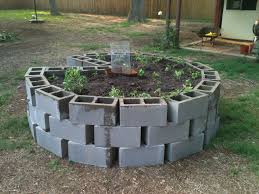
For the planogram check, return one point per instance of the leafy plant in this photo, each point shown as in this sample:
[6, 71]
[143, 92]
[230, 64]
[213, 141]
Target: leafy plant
[168, 68]
[196, 75]
[141, 72]
[115, 92]
[187, 86]
[53, 78]
[142, 59]
[74, 81]
[167, 96]
[166, 40]
[155, 75]
[7, 36]
[179, 74]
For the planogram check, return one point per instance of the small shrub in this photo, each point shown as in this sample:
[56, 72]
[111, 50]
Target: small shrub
[7, 36]
[115, 92]
[196, 75]
[141, 72]
[74, 81]
[179, 74]
[167, 40]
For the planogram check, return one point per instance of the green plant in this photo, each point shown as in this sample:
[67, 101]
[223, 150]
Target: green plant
[155, 75]
[52, 78]
[141, 72]
[169, 95]
[179, 74]
[7, 36]
[187, 86]
[74, 81]
[168, 68]
[142, 59]
[115, 92]
[196, 75]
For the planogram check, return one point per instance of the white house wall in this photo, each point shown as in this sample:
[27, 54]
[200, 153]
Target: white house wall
[237, 24]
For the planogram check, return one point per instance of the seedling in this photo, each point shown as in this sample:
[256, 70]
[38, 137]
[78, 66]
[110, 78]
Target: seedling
[179, 74]
[168, 68]
[187, 87]
[53, 78]
[155, 75]
[196, 75]
[115, 92]
[141, 72]
[74, 81]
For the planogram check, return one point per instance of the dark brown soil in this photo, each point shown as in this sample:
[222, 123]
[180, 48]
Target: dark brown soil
[155, 78]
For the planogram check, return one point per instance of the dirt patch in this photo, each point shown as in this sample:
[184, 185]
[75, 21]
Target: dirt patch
[160, 77]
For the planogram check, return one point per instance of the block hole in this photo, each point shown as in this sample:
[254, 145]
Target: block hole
[54, 68]
[85, 99]
[193, 94]
[36, 68]
[152, 101]
[209, 73]
[208, 83]
[61, 94]
[180, 98]
[50, 89]
[38, 83]
[35, 73]
[131, 101]
[210, 76]
[34, 79]
[88, 68]
[104, 100]
[206, 88]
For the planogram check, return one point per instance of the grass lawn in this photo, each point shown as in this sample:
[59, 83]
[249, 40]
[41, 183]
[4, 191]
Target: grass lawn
[239, 131]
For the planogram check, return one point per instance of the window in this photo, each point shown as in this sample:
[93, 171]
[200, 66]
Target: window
[241, 4]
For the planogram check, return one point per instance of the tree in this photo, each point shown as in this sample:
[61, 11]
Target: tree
[137, 11]
[53, 7]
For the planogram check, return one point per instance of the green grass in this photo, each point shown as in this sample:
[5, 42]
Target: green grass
[136, 34]
[14, 130]
[26, 15]
[239, 131]
[92, 46]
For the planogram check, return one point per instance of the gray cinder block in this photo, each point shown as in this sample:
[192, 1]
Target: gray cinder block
[53, 144]
[179, 150]
[95, 62]
[118, 136]
[198, 126]
[163, 135]
[72, 62]
[188, 106]
[32, 126]
[55, 71]
[89, 154]
[211, 132]
[82, 134]
[31, 84]
[144, 155]
[199, 66]
[35, 72]
[42, 119]
[212, 88]
[143, 112]
[91, 110]
[54, 101]
[210, 75]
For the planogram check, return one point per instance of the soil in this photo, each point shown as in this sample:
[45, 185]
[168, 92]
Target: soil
[101, 84]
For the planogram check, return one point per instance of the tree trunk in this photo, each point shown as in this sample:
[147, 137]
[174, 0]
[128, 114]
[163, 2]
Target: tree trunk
[137, 11]
[53, 7]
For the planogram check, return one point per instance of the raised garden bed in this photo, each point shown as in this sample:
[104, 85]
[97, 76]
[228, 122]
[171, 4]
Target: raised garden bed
[168, 112]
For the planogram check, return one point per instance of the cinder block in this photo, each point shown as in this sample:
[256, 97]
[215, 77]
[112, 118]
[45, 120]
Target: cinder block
[35, 72]
[118, 136]
[143, 112]
[32, 126]
[91, 155]
[169, 134]
[32, 113]
[64, 129]
[199, 66]
[188, 106]
[211, 132]
[179, 150]
[31, 84]
[95, 62]
[145, 155]
[71, 61]
[54, 101]
[212, 88]
[54, 71]
[91, 110]
[210, 75]
[198, 126]
[53, 144]
[42, 119]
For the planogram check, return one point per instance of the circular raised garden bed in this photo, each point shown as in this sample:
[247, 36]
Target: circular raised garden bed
[168, 112]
